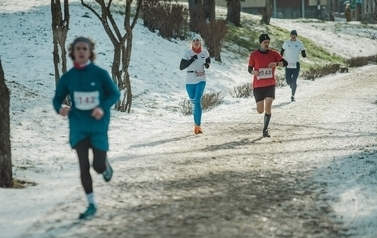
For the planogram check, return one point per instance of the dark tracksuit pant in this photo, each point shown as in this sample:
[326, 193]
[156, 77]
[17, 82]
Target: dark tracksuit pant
[99, 162]
[291, 76]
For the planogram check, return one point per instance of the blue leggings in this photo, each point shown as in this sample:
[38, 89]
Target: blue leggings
[291, 76]
[195, 93]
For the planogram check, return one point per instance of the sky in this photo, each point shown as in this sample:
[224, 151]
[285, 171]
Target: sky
[40, 149]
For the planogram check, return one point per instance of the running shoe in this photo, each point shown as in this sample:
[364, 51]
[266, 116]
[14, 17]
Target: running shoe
[265, 133]
[90, 211]
[108, 173]
[198, 130]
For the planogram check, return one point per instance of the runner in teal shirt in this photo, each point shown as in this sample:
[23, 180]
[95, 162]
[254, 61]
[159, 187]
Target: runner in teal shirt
[92, 93]
[88, 87]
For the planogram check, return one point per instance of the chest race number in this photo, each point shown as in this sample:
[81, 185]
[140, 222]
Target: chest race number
[86, 100]
[292, 65]
[265, 73]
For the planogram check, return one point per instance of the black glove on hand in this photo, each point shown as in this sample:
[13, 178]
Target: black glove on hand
[195, 57]
[206, 65]
[303, 53]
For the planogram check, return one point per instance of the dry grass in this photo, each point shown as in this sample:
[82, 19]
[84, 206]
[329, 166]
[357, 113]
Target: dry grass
[209, 101]
[318, 72]
[361, 61]
[243, 91]
[22, 184]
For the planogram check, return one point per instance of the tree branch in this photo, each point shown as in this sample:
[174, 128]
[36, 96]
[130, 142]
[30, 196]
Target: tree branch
[108, 5]
[91, 9]
[103, 19]
[112, 21]
[138, 9]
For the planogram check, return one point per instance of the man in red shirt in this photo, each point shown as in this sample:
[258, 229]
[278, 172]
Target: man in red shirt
[262, 64]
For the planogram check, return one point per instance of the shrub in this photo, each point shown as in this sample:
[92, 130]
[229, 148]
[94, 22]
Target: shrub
[147, 13]
[214, 34]
[170, 19]
[243, 91]
[209, 101]
[185, 107]
[361, 61]
[317, 72]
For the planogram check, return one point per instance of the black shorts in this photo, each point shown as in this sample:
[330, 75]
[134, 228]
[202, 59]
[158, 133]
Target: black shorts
[264, 92]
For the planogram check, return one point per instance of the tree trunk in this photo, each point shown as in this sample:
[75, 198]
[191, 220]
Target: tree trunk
[126, 58]
[210, 10]
[234, 12]
[197, 15]
[6, 179]
[266, 17]
[60, 29]
[372, 6]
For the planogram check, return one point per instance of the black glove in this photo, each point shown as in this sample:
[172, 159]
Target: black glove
[303, 53]
[195, 57]
[206, 65]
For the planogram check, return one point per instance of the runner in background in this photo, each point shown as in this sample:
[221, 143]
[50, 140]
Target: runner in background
[292, 49]
[92, 92]
[195, 60]
[262, 64]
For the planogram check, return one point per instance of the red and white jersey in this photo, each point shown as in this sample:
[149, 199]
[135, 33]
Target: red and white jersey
[260, 61]
[195, 71]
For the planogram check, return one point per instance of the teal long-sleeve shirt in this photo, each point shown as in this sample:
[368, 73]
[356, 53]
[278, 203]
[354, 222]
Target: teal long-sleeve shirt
[88, 88]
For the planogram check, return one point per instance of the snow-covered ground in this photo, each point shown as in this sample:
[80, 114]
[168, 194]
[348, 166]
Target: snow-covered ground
[41, 154]
[348, 40]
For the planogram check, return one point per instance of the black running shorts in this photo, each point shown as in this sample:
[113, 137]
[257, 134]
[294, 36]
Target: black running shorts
[264, 92]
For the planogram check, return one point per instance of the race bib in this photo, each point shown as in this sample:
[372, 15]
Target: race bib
[292, 65]
[86, 100]
[265, 73]
[200, 74]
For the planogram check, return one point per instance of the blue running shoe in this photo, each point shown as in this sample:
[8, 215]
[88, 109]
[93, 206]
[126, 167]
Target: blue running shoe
[90, 211]
[108, 173]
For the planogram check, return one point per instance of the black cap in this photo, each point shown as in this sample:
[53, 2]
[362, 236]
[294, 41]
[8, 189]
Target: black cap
[294, 32]
[263, 37]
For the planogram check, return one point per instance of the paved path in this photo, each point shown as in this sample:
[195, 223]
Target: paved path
[230, 182]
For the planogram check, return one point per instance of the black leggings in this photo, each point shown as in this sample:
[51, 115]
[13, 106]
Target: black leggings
[99, 162]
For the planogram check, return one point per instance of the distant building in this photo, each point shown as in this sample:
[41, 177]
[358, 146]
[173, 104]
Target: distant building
[290, 9]
[319, 9]
[286, 8]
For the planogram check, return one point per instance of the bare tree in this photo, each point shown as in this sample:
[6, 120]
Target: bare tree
[234, 11]
[266, 17]
[6, 179]
[122, 46]
[60, 27]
